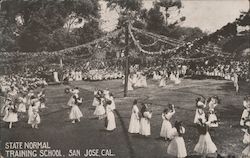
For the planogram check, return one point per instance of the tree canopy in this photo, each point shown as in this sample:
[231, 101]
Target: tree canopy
[47, 25]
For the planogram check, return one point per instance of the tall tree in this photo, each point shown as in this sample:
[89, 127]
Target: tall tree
[42, 25]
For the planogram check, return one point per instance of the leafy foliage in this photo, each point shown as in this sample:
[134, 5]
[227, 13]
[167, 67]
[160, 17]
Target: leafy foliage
[40, 25]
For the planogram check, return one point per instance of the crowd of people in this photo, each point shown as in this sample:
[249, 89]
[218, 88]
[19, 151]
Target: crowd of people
[204, 120]
[18, 93]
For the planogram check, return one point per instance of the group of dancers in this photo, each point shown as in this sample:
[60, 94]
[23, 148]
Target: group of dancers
[136, 80]
[104, 107]
[205, 119]
[16, 105]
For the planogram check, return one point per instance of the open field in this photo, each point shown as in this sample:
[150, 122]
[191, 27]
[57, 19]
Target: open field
[90, 134]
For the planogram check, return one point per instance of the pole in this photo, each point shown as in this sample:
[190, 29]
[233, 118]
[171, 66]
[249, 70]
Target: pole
[126, 61]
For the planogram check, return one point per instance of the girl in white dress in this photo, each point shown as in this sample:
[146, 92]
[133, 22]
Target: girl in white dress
[33, 113]
[134, 124]
[22, 104]
[130, 83]
[75, 113]
[145, 129]
[111, 125]
[42, 99]
[166, 127]
[245, 115]
[199, 114]
[100, 110]
[10, 113]
[111, 98]
[246, 140]
[205, 144]
[212, 118]
[163, 81]
[177, 146]
[95, 100]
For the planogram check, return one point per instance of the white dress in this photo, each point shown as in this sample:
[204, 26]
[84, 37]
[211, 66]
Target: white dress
[22, 105]
[144, 81]
[212, 118]
[166, 127]
[177, 146]
[162, 82]
[130, 88]
[205, 144]
[10, 115]
[55, 76]
[95, 100]
[244, 116]
[111, 125]
[246, 140]
[75, 112]
[134, 124]
[145, 124]
[199, 114]
[34, 117]
[99, 110]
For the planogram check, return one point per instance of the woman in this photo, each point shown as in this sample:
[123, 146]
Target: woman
[166, 127]
[200, 114]
[212, 118]
[134, 124]
[205, 144]
[111, 125]
[145, 121]
[163, 81]
[10, 113]
[75, 113]
[99, 110]
[34, 117]
[177, 146]
[246, 140]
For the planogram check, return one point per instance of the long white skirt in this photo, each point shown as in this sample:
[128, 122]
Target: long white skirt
[205, 145]
[34, 118]
[162, 83]
[212, 118]
[134, 124]
[145, 127]
[75, 113]
[166, 129]
[111, 121]
[10, 117]
[177, 148]
[95, 102]
[246, 152]
[21, 107]
[99, 110]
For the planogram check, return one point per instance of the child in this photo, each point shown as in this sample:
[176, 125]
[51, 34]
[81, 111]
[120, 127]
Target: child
[212, 118]
[145, 121]
[205, 144]
[177, 146]
[134, 124]
[110, 117]
[200, 114]
[10, 113]
[166, 127]
[34, 117]
[75, 113]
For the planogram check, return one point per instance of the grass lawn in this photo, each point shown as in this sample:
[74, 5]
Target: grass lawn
[56, 128]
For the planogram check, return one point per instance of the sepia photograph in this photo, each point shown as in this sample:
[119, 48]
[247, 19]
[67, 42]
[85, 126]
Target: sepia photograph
[124, 78]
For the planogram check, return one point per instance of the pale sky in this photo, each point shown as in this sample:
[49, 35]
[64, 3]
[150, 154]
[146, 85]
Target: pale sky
[209, 15]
